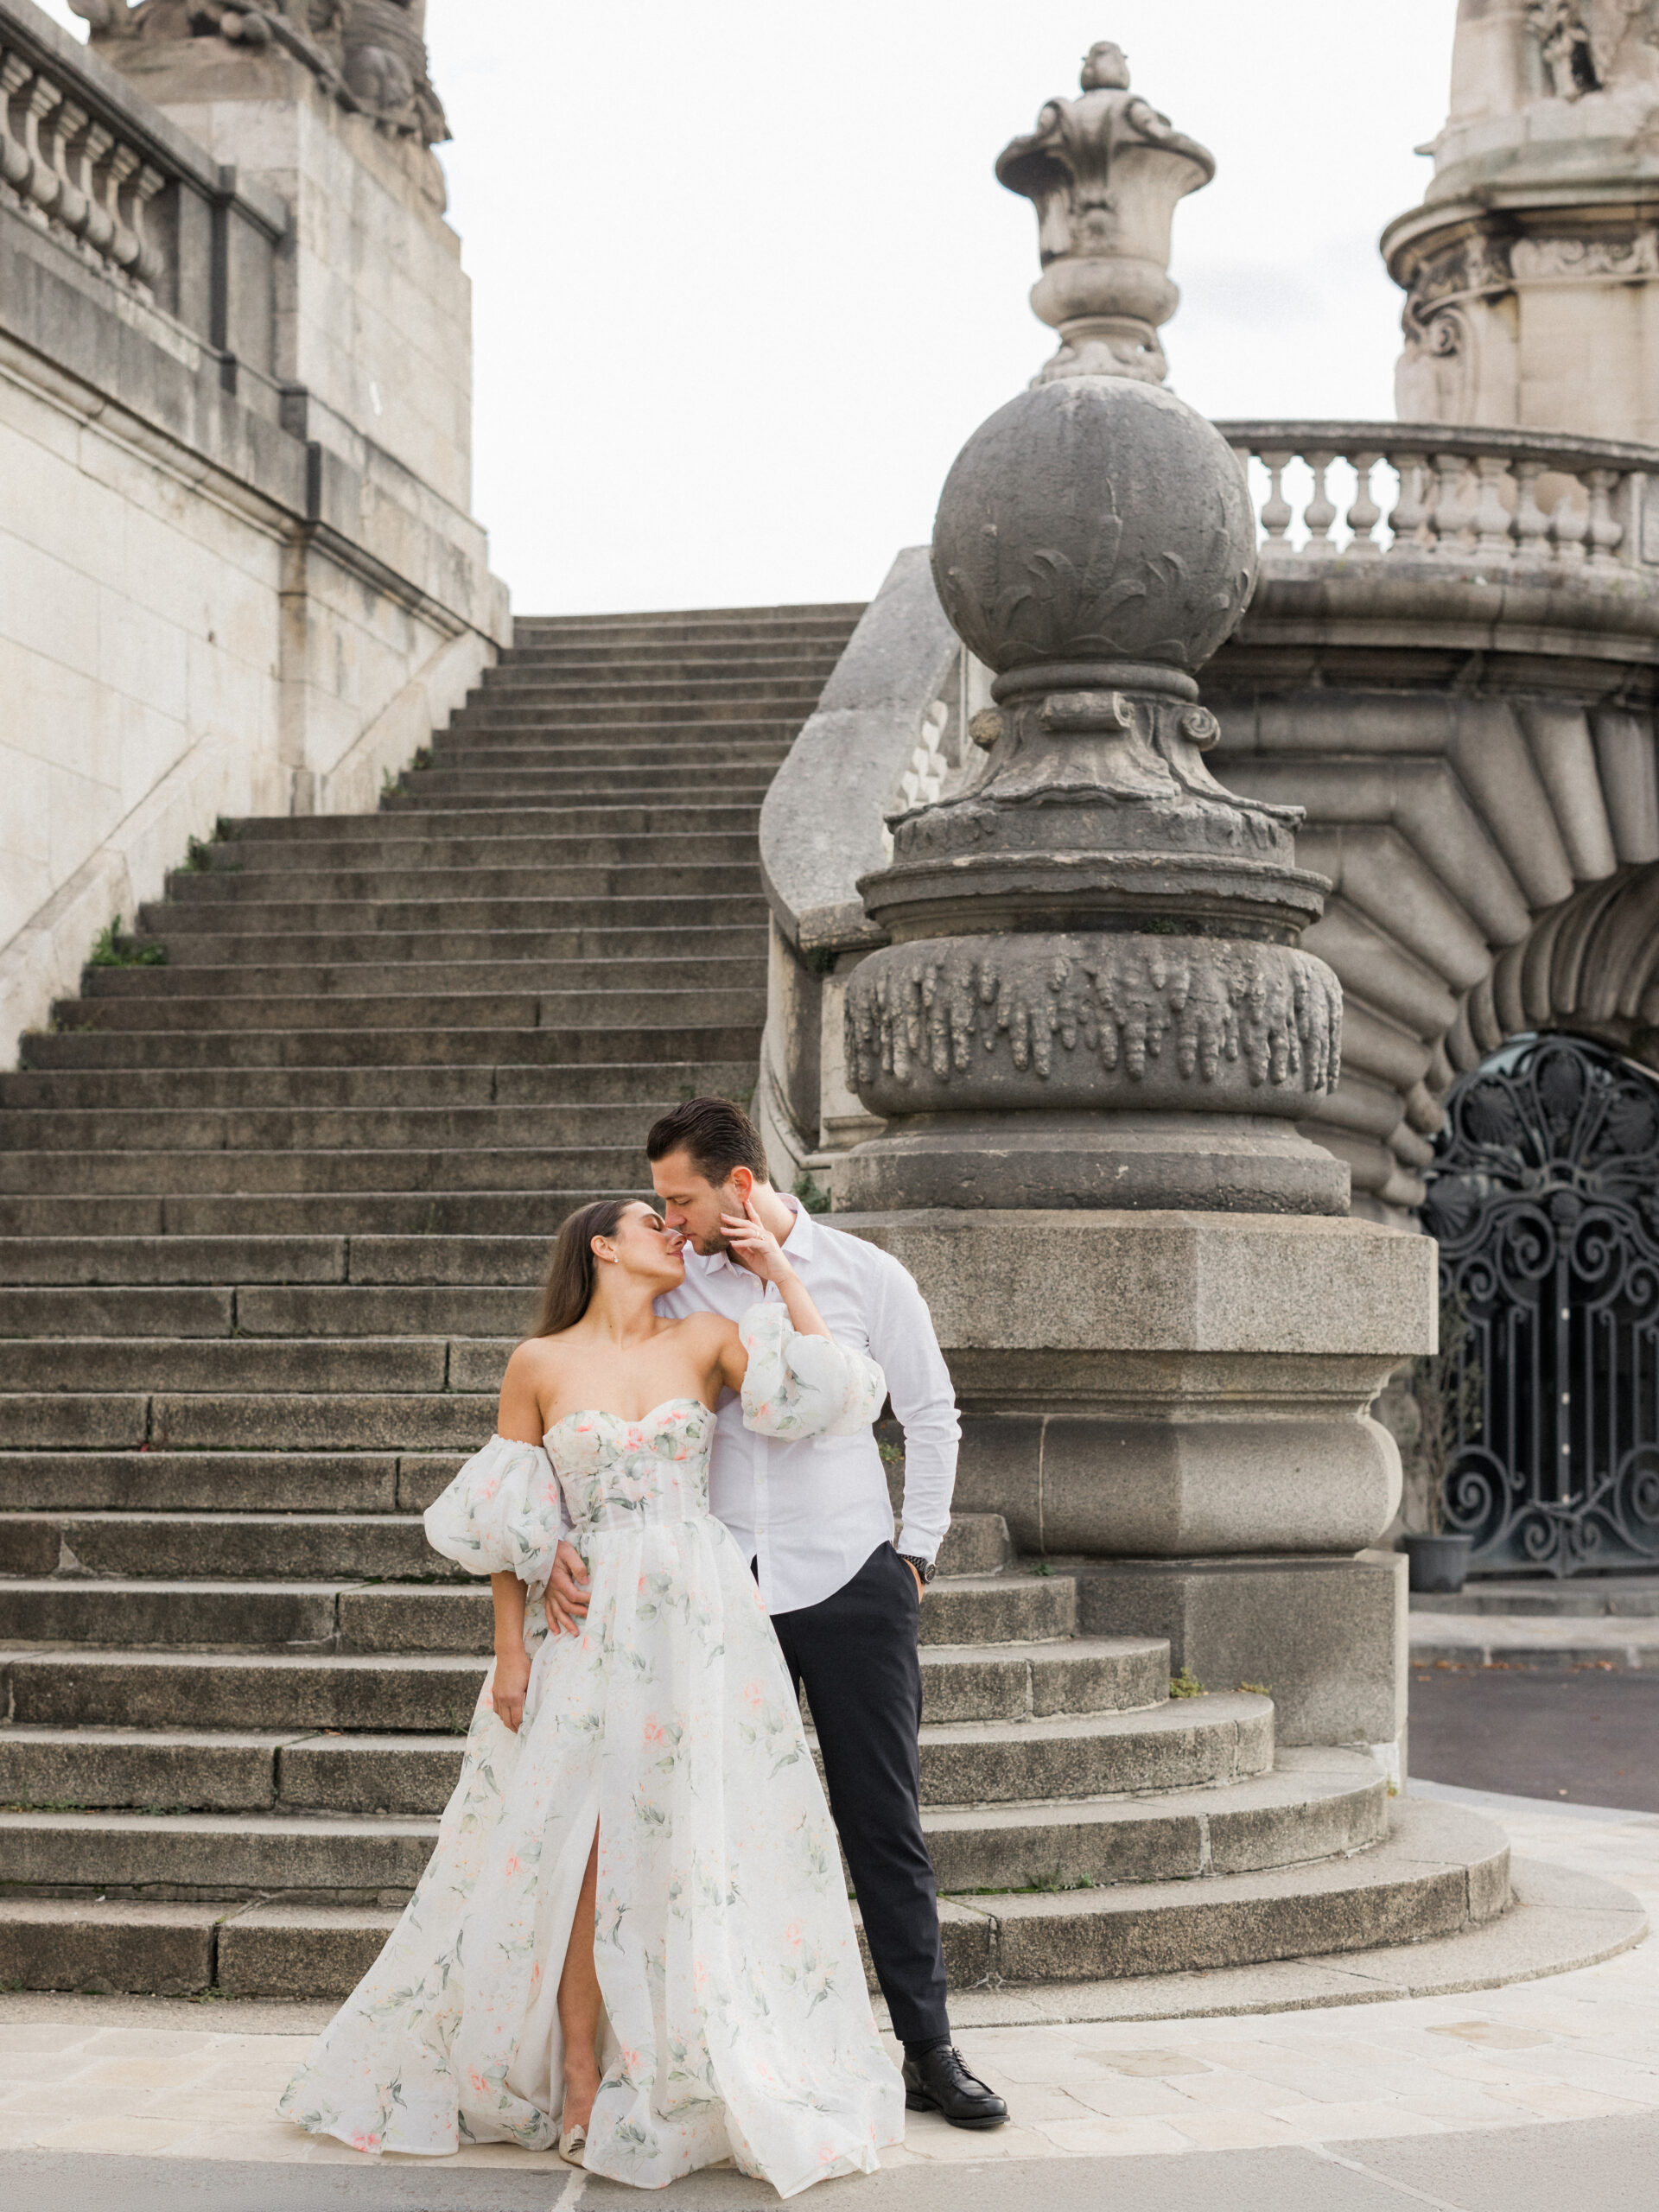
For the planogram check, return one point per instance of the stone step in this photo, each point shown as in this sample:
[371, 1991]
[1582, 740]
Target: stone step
[153, 1610]
[389, 976]
[518, 1045]
[191, 1547]
[322, 1172]
[463, 785]
[381, 1419]
[325, 1128]
[553, 841]
[670, 947]
[321, 1364]
[435, 1214]
[460, 747]
[1311, 1805]
[245, 1310]
[190, 1769]
[683, 727]
[270, 840]
[705, 664]
[374, 892]
[114, 1261]
[136, 1482]
[359, 1857]
[620, 1086]
[1441, 1871]
[90, 1261]
[408, 1010]
[365, 921]
[761, 627]
[788, 684]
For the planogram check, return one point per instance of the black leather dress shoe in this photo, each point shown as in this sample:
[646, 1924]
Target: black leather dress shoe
[938, 2081]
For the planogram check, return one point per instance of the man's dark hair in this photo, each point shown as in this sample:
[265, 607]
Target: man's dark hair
[714, 1135]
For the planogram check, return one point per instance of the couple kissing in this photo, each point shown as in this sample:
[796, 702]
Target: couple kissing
[633, 1940]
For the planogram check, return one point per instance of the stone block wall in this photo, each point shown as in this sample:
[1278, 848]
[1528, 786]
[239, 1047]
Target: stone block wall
[222, 592]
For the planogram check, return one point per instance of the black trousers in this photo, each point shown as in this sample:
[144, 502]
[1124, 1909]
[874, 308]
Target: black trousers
[856, 1654]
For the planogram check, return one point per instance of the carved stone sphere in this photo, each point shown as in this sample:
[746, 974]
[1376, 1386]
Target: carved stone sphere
[1095, 525]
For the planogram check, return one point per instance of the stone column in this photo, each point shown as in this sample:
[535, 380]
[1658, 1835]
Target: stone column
[1090, 1036]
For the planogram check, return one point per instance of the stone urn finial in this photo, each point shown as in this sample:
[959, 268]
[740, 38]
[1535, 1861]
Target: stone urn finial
[1105, 172]
[1092, 993]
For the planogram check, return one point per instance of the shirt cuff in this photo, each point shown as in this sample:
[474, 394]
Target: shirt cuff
[916, 1546]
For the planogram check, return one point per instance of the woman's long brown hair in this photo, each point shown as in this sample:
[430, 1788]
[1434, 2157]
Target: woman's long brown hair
[569, 1290]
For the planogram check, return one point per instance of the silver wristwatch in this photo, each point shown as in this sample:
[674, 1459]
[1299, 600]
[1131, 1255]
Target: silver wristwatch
[926, 1568]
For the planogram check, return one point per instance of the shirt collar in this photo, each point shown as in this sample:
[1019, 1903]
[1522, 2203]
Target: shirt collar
[799, 1243]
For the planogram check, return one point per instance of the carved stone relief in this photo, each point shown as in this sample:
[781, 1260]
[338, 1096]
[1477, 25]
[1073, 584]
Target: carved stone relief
[1537, 259]
[1591, 46]
[371, 54]
[1094, 1019]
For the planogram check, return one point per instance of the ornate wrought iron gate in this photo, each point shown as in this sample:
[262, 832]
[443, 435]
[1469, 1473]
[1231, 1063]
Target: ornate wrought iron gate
[1545, 1199]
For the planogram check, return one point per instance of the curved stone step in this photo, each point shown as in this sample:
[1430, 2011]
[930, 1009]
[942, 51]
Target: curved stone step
[1313, 1804]
[1180, 1745]
[1441, 1870]
[444, 1611]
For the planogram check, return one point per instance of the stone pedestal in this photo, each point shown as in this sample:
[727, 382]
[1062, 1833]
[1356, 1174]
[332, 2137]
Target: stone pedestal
[1178, 1403]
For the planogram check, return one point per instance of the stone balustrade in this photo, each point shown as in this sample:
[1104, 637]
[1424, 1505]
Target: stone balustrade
[1510, 499]
[109, 180]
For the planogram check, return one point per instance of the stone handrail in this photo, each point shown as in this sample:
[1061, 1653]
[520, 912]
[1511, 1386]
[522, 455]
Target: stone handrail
[95, 166]
[1512, 500]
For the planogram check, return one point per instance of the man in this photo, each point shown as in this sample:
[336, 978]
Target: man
[814, 1519]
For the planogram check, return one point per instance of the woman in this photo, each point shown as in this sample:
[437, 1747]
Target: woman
[634, 1937]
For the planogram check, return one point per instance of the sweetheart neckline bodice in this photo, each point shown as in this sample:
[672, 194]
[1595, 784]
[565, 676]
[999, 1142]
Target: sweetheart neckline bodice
[627, 1421]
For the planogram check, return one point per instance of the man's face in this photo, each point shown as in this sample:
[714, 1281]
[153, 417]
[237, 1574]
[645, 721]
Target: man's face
[693, 1204]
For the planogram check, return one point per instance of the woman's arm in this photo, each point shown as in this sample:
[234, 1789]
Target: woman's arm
[519, 1416]
[507, 1594]
[765, 1256]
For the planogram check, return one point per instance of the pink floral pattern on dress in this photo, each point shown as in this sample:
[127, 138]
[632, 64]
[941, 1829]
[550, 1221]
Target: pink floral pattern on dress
[738, 2023]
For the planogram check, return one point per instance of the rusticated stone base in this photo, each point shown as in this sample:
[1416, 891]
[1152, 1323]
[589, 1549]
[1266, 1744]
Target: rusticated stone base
[1325, 1637]
[1177, 1404]
[1163, 1162]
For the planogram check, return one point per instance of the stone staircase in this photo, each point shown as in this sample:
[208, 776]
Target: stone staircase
[270, 1217]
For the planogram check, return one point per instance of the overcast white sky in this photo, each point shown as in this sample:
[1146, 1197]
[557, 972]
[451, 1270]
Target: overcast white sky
[744, 280]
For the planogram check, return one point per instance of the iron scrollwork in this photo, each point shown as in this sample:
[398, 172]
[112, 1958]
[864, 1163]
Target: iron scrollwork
[1545, 1199]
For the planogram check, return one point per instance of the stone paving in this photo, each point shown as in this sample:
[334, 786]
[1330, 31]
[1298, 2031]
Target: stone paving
[167, 2080]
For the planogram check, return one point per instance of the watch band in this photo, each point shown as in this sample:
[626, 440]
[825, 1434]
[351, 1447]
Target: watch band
[926, 1568]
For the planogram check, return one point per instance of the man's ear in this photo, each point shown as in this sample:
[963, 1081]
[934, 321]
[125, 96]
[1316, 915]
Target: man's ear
[742, 1181]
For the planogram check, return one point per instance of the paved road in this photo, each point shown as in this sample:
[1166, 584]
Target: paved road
[1585, 1738]
[1609, 2165]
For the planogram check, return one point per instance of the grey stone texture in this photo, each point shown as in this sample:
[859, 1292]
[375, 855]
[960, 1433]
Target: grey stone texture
[1324, 1637]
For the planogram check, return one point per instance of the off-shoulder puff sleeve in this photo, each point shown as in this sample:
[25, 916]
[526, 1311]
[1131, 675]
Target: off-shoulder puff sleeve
[500, 1516]
[804, 1386]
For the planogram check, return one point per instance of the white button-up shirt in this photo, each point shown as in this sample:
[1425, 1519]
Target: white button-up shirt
[811, 1511]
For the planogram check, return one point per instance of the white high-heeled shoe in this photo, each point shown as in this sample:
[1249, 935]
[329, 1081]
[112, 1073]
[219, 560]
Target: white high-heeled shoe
[572, 2145]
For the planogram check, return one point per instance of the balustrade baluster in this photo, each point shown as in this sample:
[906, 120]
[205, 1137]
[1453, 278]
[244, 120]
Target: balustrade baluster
[1364, 515]
[1490, 517]
[14, 73]
[66, 127]
[1276, 511]
[1569, 527]
[1320, 511]
[145, 186]
[89, 154]
[1531, 523]
[1452, 520]
[1604, 530]
[1409, 521]
[124, 248]
[44, 184]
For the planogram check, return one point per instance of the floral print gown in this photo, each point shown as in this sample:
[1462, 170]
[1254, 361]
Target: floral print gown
[737, 2021]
